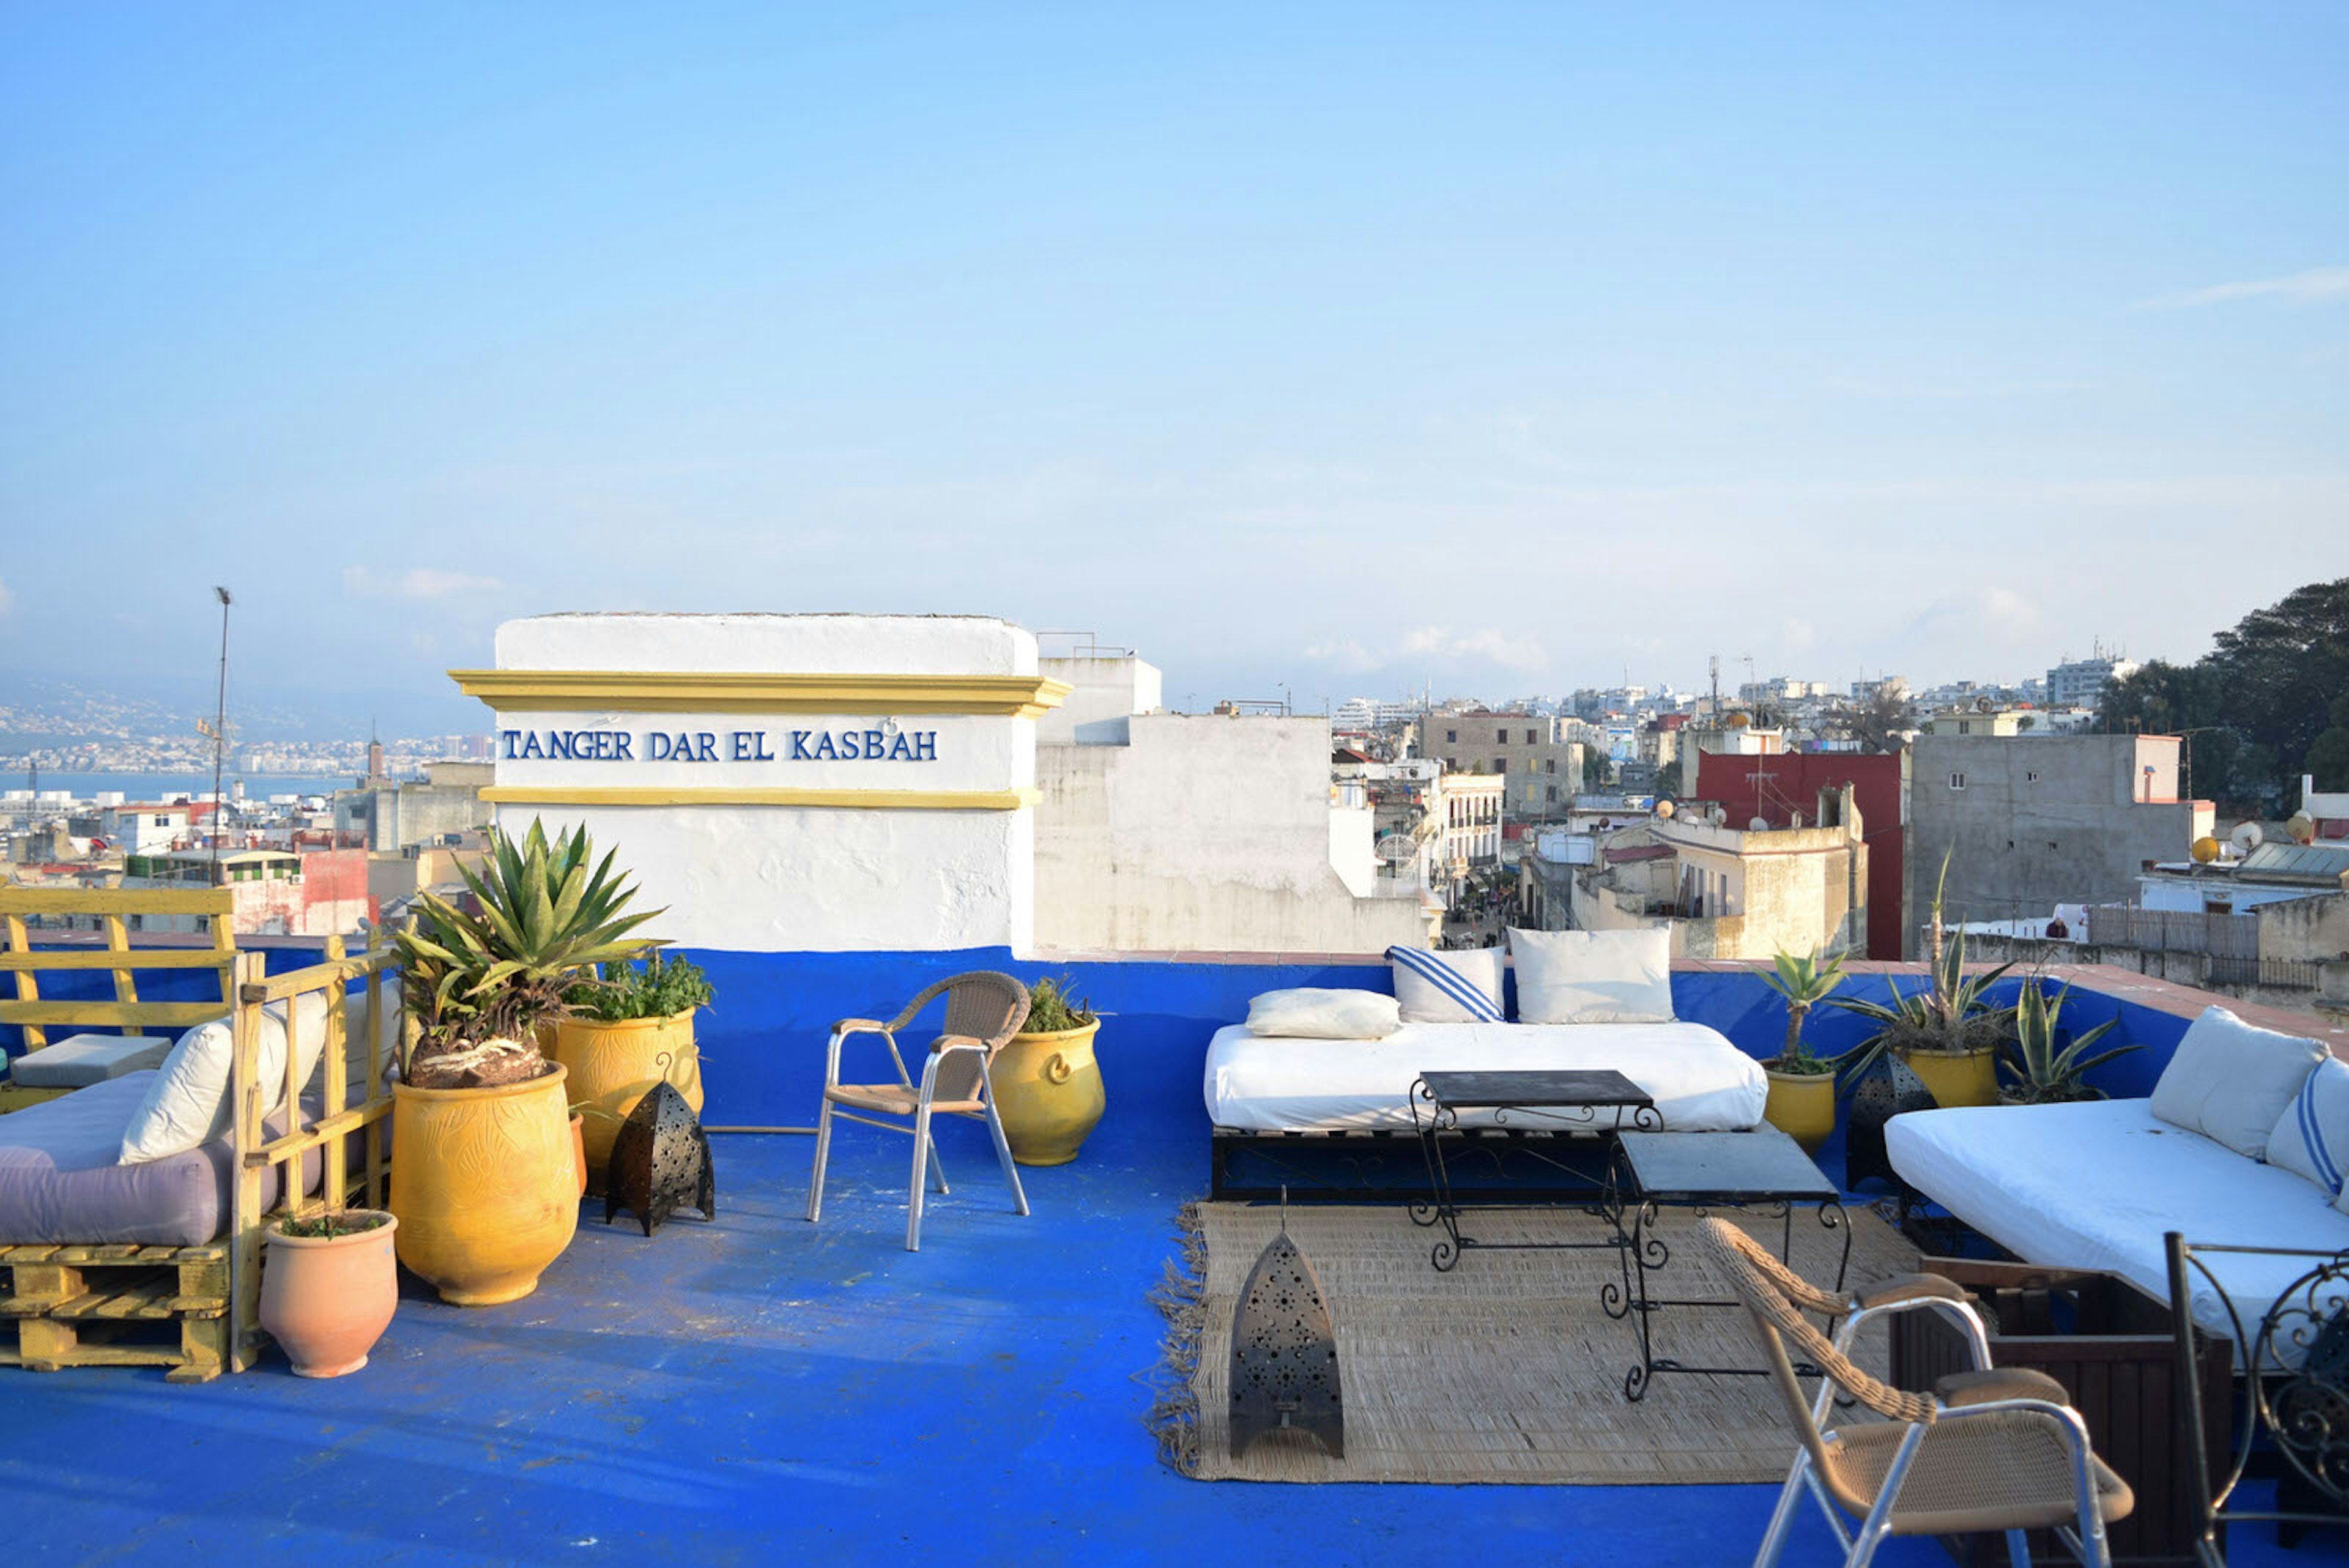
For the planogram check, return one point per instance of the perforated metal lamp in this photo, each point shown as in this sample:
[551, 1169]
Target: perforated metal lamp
[660, 1162]
[1284, 1352]
[1889, 1089]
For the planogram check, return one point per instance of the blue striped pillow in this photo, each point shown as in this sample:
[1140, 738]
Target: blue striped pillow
[2312, 1137]
[1463, 987]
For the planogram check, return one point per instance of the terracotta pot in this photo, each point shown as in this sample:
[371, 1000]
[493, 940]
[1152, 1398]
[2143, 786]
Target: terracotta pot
[1957, 1077]
[614, 1065]
[1048, 1090]
[579, 1149]
[325, 1300]
[486, 1186]
[1802, 1105]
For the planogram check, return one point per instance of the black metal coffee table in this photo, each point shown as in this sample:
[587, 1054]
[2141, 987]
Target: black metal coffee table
[1704, 1170]
[1599, 1104]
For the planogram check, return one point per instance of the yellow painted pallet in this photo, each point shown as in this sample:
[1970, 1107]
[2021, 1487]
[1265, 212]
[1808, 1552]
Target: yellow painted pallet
[115, 1305]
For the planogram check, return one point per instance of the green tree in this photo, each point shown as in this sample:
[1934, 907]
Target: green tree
[2328, 754]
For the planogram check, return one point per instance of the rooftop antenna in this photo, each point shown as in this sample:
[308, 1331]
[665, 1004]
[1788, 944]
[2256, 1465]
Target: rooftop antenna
[219, 734]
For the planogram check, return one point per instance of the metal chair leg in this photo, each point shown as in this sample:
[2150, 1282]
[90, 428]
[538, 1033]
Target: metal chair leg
[921, 1155]
[1002, 1144]
[939, 1169]
[1782, 1518]
[822, 1150]
[2018, 1549]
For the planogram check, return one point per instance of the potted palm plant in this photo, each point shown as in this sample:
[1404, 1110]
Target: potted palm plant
[1802, 1086]
[1048, 1083]
[1947, 1034]
[485, 1186]
[629, 1026]
[2042, 1066]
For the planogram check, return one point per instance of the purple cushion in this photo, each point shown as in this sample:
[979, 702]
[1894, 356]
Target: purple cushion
[59, 1181]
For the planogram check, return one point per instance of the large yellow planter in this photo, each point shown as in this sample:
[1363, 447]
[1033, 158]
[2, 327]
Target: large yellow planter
[485, 1186]
[1802, 1105]
[1957, 1078]
[1048, 1090]
[614, 1065]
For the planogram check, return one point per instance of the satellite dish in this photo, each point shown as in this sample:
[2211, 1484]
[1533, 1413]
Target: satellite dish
[1664, 810]
[1759, 825]
[1394, 849]
[2247, 838]
[2302, 827]
[2205, 851]
[1984, 704]
[1717, 816]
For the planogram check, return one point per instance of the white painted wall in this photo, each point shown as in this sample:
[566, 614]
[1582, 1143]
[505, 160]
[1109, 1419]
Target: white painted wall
[791, 878]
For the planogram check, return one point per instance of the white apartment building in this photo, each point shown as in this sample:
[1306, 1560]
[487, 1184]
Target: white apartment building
[2080, 682]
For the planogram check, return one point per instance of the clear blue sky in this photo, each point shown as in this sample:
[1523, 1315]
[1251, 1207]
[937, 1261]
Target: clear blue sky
[1342, 348]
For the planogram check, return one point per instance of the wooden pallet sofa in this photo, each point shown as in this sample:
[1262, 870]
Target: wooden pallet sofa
[158, 1264]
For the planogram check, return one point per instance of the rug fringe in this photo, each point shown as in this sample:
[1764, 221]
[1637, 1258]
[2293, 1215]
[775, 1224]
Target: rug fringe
[1180, 1297]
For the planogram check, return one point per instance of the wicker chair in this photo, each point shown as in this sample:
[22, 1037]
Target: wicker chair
[1989, 1449]
[984, 1011]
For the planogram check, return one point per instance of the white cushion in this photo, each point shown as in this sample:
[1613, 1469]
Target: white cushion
[2232, 1080]
[1311, 1014]
[1593, 977]
[2311, 1140]
[1461, 987]
[188, 1104]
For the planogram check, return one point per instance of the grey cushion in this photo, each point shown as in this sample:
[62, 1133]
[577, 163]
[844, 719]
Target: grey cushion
[81, 1059]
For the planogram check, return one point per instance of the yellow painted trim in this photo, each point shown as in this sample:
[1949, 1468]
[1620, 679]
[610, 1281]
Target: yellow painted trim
[841, 799]
[728, 692]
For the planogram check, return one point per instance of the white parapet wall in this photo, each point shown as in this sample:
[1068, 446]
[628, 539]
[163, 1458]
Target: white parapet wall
[786, 783]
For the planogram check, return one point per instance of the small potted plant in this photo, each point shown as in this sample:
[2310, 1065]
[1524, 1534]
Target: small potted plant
[2041, 1066]
[485, 1182]
[1048, 1083]
[1947, 1034]
[1802, 1086]
[328, 1287]
[628, 1026]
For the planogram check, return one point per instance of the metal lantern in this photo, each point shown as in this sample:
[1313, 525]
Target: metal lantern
[660, 1162]
[1888, 1090]
[1285, 1353]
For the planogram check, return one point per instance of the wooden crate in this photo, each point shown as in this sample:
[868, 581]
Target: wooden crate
[115, 1305]
[2109, 1344]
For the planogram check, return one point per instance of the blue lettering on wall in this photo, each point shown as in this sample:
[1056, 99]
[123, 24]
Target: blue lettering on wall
[702, 747]
[799, 754]
[926, 746]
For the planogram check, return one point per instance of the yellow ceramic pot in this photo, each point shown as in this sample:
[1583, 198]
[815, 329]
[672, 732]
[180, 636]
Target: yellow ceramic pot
[1802, 1105]
[1957, 1077]
[614, 1065]
[485, 1186]
[1048, 1090]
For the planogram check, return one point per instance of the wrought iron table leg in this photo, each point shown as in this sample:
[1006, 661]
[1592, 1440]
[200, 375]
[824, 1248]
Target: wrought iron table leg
[1446, 1253]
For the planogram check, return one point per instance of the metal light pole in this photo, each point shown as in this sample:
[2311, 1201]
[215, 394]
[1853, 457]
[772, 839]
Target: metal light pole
[220, 737]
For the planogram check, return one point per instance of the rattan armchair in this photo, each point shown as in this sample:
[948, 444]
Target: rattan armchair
[984, 1011]
[1989, 1449]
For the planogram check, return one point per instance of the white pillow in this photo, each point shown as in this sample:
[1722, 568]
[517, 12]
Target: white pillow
[2311, 1140]
[1593, 977]
[2231, 1081]
[1308, 1014]
[1461, 987]
[186, 1104]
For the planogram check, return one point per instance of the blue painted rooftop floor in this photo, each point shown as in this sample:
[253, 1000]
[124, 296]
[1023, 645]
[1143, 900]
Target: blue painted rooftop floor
[761, 1389]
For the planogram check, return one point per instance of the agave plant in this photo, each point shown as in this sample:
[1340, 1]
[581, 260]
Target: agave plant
[479, 981]
[1952, 1014]
[1805, 982]
[2041, 1072]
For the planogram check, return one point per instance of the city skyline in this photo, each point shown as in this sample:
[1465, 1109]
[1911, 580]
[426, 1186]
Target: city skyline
[1498, 354]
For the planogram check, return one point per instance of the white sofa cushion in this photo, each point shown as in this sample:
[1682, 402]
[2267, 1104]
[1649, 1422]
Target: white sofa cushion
[1699, 1080]
[186, 1104]
[1593, 977]
[2311, 1140]
[1463, 987]
[1311, 1014]
[2093, 1185]
[2231, 1080]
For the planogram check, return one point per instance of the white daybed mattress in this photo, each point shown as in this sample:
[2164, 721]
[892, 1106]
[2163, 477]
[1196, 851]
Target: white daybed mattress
[2095, 1185]
[1700, 1082]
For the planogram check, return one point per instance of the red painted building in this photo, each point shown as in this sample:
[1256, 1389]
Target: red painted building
[1776, 786]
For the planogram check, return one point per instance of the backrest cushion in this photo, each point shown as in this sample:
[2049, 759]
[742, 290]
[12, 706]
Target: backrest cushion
[1314, 1014]
[187, 1105]
[2232, 1081]
[1463, 987]
[2311, 1140]
[1593, 977]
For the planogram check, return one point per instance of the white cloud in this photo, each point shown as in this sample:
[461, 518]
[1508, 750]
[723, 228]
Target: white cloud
[7, 598]
[1428, 644]
[2302, 287]
[1344, 654]
[1799, 636]
[418, 583]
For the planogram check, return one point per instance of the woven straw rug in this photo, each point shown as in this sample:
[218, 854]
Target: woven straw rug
[1505, 1369]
